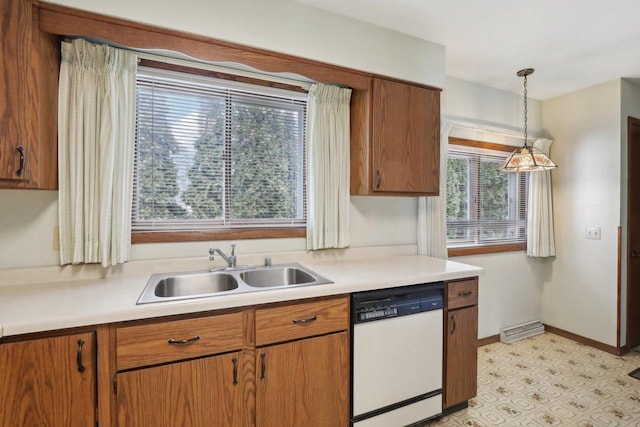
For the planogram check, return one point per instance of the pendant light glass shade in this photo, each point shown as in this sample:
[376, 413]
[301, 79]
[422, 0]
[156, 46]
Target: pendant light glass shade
[527, 158]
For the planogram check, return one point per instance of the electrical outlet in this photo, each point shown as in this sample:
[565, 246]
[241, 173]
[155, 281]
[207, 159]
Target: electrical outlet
[56, 238]
[593, 232]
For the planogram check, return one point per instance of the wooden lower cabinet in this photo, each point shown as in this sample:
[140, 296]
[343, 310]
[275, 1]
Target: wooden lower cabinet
[461, 377]
[203, 392]
[303, 383]
[49, 382]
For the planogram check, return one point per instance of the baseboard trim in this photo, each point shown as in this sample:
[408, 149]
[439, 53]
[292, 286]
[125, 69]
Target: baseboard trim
[584, 340]
[488, 340]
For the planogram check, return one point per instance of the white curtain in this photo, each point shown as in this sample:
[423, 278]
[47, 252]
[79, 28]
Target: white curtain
[96, 130]
[328, 167]
[540, 240]
[432, 211]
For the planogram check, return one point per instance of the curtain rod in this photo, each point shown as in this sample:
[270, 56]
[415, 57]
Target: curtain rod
[491, 131]
[194, 63]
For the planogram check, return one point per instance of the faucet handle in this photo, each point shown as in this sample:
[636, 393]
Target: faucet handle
[233, 249]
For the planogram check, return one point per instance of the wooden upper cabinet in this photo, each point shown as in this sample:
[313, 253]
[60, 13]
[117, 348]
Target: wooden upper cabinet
[49, 382]
[28, 95]
[402, 155]
[15, 89]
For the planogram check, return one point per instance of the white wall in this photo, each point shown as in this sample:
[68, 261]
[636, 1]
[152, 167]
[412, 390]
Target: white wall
[465, 101]
[580, 295]
[509, 290]
[28, 218]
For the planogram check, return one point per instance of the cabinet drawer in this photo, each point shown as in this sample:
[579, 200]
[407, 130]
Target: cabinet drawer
[150, 344]
[463, 293]
[299, 320]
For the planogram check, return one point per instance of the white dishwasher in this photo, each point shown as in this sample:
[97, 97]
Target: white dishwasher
[396, 369]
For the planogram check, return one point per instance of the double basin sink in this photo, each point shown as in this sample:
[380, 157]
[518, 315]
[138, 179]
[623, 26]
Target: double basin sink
[201, 284]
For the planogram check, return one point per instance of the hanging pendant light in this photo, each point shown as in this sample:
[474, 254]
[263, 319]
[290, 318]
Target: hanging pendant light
[527, 158]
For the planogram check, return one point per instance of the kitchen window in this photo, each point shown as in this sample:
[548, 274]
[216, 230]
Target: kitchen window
[486, 208]
[217, 158]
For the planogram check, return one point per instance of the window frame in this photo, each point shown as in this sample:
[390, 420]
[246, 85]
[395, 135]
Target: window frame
[498, 248]
[200, 234]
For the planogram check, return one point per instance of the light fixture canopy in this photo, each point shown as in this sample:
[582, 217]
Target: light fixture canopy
[527, 158]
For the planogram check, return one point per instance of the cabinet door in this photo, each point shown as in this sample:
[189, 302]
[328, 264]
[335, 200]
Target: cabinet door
[406, 138]
[461, 377]
[48, 382]
[304, 383]
[15, 88]
[201, 392]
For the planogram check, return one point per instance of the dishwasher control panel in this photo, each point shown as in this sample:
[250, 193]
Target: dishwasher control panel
[383, 304]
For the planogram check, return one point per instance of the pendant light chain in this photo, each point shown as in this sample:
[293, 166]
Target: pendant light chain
[527, 158]
[525, 110]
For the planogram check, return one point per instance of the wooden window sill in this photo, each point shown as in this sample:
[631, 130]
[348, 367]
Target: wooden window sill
[202, 235]
[486, 249]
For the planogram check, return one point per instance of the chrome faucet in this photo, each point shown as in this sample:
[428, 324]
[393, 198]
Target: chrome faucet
[231, 259]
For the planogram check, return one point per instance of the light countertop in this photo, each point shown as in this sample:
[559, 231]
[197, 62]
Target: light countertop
[27, 308]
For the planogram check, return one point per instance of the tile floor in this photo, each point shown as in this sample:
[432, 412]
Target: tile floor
[549, 380]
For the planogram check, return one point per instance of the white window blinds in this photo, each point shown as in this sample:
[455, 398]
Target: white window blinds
[484, 205]
[217, 154]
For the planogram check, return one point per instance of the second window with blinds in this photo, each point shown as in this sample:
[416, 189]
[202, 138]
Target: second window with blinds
[217, 158]
[486, 208]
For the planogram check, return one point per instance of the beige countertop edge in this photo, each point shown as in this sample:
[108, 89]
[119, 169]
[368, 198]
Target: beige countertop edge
[61, 305]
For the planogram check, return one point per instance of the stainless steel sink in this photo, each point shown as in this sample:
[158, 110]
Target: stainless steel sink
[201, 284]
[277, 276]
[195, 284]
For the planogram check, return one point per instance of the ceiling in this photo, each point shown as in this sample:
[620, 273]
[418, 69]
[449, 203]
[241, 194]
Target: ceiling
[572, 44]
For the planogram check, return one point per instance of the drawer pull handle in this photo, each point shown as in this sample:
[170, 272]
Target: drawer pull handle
[310, 319]
[379, 179]
[263, 366]
[464, 294]
[81, 367]
[20, 170]
[235, 370]
[182, 342]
